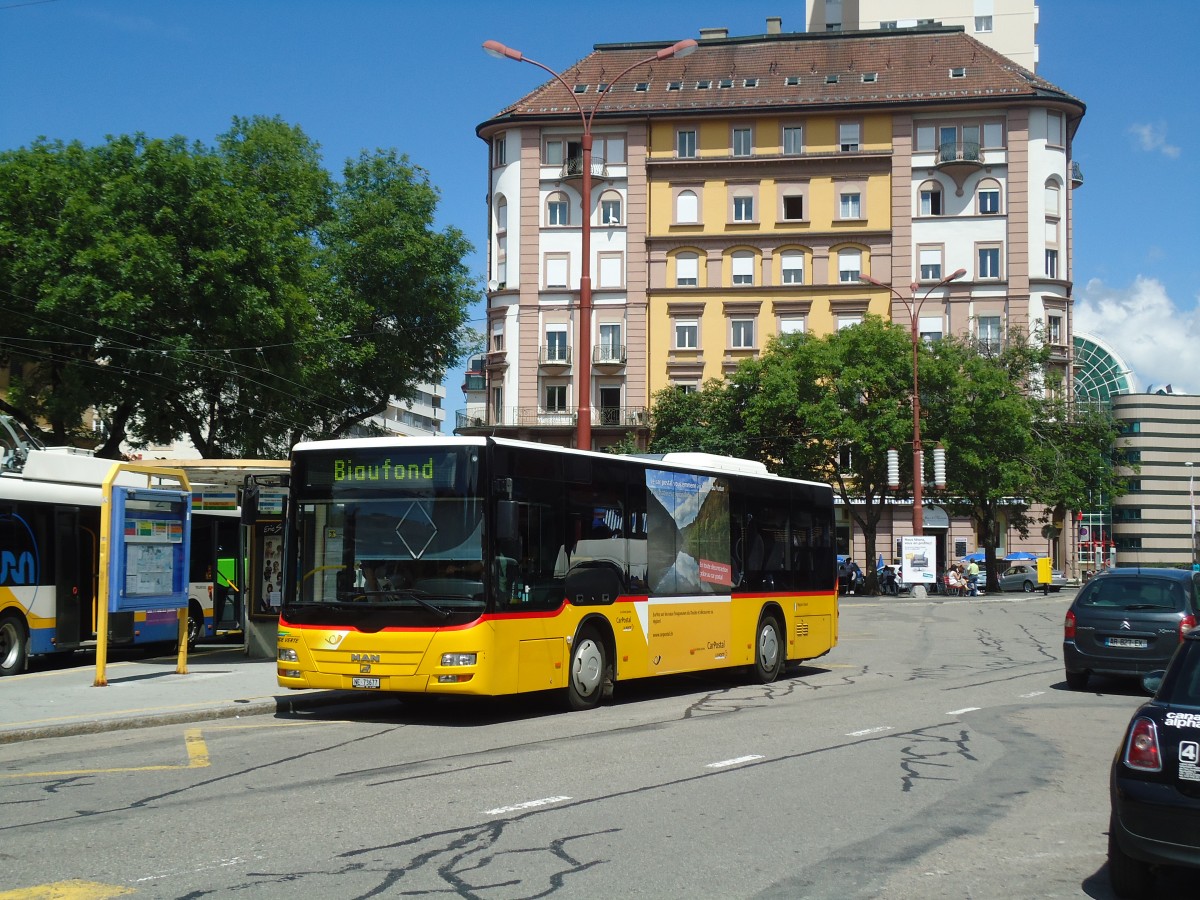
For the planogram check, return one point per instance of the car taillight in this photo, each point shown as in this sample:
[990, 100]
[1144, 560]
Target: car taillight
[1141, 751]
[1069, 625]
[1186, 624]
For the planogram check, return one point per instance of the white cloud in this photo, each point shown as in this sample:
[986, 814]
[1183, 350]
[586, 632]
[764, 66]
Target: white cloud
[1153, 138]
[1146, 328]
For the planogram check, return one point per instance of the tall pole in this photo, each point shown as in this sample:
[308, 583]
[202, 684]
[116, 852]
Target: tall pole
[583, 420]
[913, 305]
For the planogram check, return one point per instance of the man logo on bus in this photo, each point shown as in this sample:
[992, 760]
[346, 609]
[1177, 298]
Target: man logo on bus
[19, 558]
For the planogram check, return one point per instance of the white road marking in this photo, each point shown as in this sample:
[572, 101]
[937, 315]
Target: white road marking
[736, 761]
[1034, 694]
[532, 804]
[965, 709]
[870, 731]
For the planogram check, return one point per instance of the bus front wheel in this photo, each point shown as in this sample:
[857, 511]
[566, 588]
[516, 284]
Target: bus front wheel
[589, 671]
[768, 650]
[13, 645]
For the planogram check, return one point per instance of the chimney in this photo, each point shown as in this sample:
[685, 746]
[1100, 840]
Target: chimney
[774, 25]
[713, 34]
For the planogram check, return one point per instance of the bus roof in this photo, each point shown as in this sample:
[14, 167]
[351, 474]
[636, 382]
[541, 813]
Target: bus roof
[708, 462]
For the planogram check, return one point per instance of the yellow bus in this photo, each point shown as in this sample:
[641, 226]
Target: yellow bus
[488, 567]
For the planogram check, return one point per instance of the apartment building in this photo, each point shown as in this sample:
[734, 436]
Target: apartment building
[1009, 26]
[744, 190]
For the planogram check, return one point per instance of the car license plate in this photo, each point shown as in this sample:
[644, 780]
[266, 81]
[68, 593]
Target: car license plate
[1135, 643]
[369, 683]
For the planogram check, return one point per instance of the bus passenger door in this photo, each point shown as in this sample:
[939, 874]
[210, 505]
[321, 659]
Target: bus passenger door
[73, 621]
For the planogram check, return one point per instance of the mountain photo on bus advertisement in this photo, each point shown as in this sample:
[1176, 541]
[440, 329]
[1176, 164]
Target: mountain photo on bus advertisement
[689, 533]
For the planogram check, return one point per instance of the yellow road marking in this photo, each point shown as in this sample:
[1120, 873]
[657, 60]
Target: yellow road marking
[67, 890]
[197, 752]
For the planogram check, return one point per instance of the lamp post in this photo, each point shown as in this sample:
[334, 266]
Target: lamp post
[583, 425]
[913, 305]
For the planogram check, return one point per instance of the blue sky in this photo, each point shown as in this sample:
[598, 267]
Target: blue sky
[367, 74]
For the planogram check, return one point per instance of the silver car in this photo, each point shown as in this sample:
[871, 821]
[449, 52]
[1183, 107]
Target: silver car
[1023, 576]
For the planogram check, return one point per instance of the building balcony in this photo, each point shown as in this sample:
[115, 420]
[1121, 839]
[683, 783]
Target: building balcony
[1076, 175]
[551, 357]
[573, 168]
[622, 417]
[474, 381]
[959, 159]
[609, 355]
[479, 419]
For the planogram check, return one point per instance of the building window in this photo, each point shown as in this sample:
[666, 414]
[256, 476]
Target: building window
[1052, 198]
[931, 263]
[612, 269]
[849, 136]
[556, 344]
[1054, 129]
[849, 266]
[500, 150]
[743, 267]
[556, 398]
[989, 263]
[989, 200]
[685, 144]
[1051, 263]
[743, 209]
[849, 320]
[610, 349]
[687, 270]
[502, 261]
[793, 207]
[1054, 330]
[931, 199]
[792, 266]
[741, 334]
[609, 149]
[850, 205]
[791, 326]
[687, 208]
[557, 209]
[610, 208]
[501, 214]
[983, 24]
[497, 337]
[993, 135]
[556, 270]
[793, 140]
[988, 333]
[685, 387]
[929, 329]
[743, 142]
[687, 334]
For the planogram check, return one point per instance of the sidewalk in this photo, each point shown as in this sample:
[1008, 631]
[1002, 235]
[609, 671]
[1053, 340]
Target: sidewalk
[221, 683]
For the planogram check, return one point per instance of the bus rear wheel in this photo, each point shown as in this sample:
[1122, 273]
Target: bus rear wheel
[13, 645]
[768, 650]
[589, 671]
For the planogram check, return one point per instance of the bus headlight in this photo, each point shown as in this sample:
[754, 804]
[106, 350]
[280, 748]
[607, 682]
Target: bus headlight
[286, 655]
[458, 659]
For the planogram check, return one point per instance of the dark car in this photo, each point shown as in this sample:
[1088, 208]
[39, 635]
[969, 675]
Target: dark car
[1128, 622]
[1154, 783]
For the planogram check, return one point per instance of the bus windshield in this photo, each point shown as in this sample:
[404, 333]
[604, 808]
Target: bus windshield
[390, 533]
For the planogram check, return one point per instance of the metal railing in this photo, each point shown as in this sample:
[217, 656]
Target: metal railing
[549, 355]
[960, 151]
[541, 417]
[573, 168]
[609, 354]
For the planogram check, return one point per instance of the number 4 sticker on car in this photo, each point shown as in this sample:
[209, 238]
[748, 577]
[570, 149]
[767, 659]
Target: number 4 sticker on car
[1189, 756]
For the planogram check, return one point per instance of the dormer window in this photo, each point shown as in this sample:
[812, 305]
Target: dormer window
[870, 77]
[792, 80]
[641, 87]
[750, 83]
[725, 83]
[831, 79]
[581, 88]
[703, 85]
[675, 86]
[958, 72]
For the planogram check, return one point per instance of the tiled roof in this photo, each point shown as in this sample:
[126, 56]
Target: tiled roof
[910, 66]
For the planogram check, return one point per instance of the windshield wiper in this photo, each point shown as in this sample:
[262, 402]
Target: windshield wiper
[1147, 606]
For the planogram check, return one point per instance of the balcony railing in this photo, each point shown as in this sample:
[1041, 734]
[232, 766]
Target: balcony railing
[553, 355]
[1076, 175]
[609, 354]
[573, 168]
[540, 417]
[474, 382]
[960, 151]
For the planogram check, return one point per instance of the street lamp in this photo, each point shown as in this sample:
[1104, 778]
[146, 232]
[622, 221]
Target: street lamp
[583, 425]
[913, 305]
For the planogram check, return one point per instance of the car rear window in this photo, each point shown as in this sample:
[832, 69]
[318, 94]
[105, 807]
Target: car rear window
[1182, 685]
[1124, 593]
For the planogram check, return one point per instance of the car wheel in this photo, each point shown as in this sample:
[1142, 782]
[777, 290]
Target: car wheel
[1077, 681]
[589, 670]
[13, 645]
[1129, 877]
[195, 625]
[768, 650]
[1027, 586]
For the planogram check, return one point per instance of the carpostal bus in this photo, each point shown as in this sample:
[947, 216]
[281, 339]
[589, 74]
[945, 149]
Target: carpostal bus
[487, 567]
[50, 503]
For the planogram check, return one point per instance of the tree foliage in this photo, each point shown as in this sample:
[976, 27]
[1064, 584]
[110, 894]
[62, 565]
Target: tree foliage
[234, 294]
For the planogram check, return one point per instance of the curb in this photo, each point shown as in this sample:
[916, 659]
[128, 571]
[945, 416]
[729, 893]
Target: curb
[228, 709]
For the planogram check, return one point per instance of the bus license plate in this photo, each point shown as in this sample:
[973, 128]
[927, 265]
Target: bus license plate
[1135, 643]
[370, 683]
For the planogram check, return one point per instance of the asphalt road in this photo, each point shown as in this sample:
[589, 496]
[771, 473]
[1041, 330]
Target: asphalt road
[935, 753]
